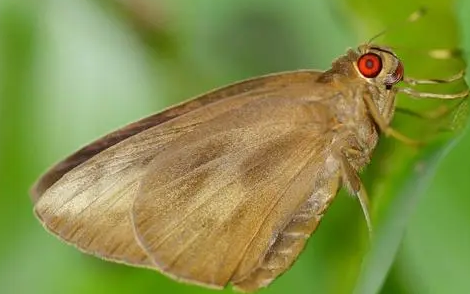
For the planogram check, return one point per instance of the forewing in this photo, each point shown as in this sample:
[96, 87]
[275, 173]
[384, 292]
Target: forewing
[245, 89]
[89, 206]
[86, 200]
[211, 203]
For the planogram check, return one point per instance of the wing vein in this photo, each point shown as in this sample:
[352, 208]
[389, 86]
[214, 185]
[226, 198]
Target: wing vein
[265, 217]
[181, 223]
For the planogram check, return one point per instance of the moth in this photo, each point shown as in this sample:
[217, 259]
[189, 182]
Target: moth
[228, 187]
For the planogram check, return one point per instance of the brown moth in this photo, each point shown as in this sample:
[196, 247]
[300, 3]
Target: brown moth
[228, 187]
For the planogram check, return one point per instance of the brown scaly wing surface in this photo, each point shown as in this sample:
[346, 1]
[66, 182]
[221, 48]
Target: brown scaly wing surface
[222, 192]
[214, 201]
[230, 92]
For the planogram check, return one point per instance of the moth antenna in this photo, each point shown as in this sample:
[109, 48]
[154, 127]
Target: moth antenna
[445, 53]
[437, 53]
[416, 15]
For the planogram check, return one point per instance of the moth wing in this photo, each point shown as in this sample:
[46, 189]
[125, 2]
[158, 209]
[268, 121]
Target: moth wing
[89, 205]
[243, 90]
[86, 199]
[213, 201]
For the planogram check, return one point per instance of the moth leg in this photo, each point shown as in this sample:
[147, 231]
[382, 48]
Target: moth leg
[413, 82]
[354, 184]
[417, 94]
[383, 126]
[436, 113]
[390, 104]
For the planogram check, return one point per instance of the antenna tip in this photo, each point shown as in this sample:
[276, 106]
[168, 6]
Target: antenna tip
[445, 53]
[423, 10]
[418, 14]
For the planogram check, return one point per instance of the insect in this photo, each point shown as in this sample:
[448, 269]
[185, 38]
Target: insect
[228, 187]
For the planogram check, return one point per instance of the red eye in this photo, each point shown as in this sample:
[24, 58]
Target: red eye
[369, 65]
[396, 76]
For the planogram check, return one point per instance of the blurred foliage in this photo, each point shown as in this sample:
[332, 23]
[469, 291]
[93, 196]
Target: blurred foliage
[73, 70]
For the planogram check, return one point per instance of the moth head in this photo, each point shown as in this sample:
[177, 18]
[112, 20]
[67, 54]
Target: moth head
[379, 65]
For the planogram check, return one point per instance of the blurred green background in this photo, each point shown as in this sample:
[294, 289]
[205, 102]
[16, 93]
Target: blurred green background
[71, 71]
